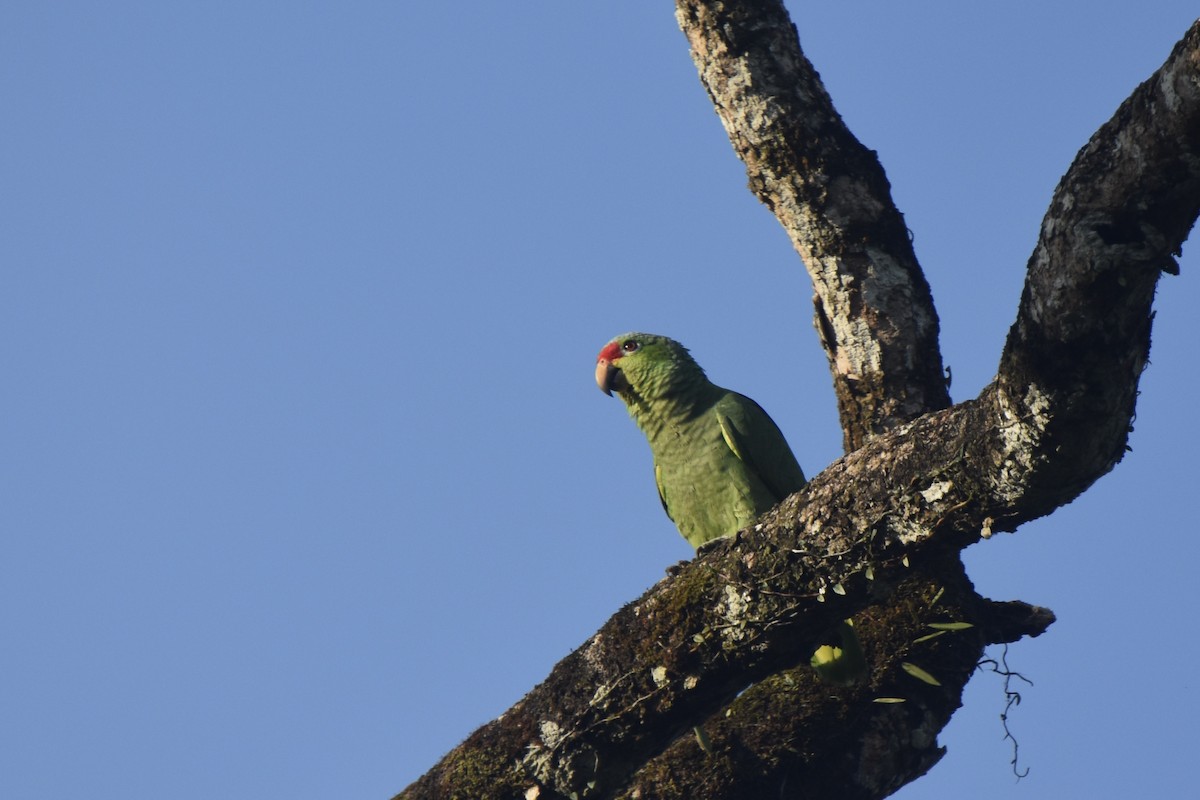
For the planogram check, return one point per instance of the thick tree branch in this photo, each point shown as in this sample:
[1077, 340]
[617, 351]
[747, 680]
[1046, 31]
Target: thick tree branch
[877, 533]
[793, 736]
[874, 311]
[1068, 378]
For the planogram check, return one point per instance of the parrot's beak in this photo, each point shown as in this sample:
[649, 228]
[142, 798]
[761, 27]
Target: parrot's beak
[610, 377]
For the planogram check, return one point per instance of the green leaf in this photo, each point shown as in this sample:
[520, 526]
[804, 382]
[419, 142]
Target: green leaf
[920, 674]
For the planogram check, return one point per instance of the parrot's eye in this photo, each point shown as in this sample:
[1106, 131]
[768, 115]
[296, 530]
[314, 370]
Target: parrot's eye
[630, 345]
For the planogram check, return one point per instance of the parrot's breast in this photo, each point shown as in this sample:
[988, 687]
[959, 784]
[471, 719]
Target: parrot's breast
[707, 490]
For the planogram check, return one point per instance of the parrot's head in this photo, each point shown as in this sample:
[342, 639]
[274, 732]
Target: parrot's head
[645, 365]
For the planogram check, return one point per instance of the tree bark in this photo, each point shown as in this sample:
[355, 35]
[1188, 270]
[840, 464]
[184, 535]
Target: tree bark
[874, 312]
[692, 690]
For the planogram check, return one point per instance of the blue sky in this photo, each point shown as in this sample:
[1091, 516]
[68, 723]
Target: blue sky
[305, 474]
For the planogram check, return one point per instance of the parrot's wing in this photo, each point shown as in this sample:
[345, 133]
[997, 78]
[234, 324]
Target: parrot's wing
[662, 498]
[757, 441]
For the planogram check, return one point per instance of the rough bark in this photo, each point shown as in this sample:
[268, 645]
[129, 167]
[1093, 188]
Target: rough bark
[874, 312]
[877, 534]
[792, 736]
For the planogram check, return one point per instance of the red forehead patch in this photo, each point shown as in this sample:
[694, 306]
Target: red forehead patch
[611, 351]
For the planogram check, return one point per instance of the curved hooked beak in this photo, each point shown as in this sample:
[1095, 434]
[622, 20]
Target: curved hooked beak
[609, 377]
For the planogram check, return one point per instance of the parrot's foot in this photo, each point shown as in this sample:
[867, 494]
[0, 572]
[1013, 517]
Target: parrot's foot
[712, 543]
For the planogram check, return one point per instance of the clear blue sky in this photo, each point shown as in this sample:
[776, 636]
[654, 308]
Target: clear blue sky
[304, 473]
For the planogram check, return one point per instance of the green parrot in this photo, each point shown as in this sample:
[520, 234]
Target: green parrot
[719, 461]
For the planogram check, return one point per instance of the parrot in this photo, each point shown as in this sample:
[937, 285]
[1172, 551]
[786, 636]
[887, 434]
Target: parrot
[720, 461]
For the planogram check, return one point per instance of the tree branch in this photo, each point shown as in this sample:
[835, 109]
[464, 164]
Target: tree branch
[874, 311]
[876, 534]
[1068, 377]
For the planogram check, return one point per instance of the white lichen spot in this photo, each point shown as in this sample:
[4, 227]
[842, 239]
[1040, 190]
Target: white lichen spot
[593, 652]
[1038, 402]
[1024, 424]
[735, 608]
[551, 734]
[659, 676]
[986, 531]
[908, 531]
[533, 793]
[690, 682]
[601, 692]
[937, 491]
[736, 603]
